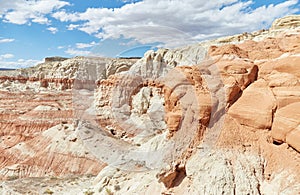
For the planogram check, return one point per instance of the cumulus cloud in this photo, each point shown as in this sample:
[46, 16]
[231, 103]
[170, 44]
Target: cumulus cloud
[72, 26]
[6, 56]
[77, 52]
[20, 63]
[22, 12]
[85, 45]
[6, 40]
[82, 49]
[174, 22]
[53, 30]
[66, 17]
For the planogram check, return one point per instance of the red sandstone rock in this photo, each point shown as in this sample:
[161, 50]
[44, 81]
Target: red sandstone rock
[255, 107]
[286, 119]
[293, 137]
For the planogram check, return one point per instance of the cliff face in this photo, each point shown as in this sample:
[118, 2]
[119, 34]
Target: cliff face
[38, 137]
[274, 91]
[217, 117]
[242, 93]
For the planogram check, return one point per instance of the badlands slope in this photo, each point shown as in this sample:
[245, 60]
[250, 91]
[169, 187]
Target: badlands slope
[218, 117]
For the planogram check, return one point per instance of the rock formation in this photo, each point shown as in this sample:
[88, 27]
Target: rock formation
[38, 137]
[218, 117]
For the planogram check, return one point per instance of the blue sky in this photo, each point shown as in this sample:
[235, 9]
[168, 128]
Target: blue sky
[31, 30]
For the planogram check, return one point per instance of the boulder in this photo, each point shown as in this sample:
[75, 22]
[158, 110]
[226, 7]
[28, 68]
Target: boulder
[293, 138]
[286, 120]
[255, 107]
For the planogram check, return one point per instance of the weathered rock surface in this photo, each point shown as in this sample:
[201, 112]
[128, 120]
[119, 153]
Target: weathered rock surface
[260, 75]
[68, 68]
[289, 22]
[277, 85]
[286, 120]
[37, 138]
[216, 117]
[255, 107]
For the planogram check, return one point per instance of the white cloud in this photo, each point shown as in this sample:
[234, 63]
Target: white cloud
[41, 20]
[85, 45]
[6, 40]
[64, 17]
[174, 22]
[21, 63]
[73, 26]
[22, 12]
[81, 49]
[77, 52]
[6, 56]
[53, 30]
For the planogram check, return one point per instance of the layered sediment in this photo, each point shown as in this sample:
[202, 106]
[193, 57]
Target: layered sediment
[220, 116]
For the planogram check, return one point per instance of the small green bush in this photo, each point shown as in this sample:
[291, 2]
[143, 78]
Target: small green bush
[12, 177]
[89, 192]
[48, 191]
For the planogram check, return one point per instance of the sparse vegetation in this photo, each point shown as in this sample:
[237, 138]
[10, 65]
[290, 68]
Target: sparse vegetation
[53, 178]
[12, 177]
[89, 192]
[89, 175]
[108, 191]
[48, 191]
[117, 187]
